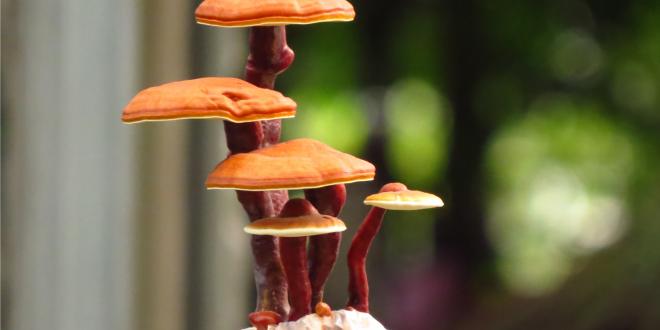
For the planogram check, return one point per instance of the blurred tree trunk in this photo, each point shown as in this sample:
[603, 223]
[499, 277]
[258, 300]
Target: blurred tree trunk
[461, 244]
[163, 226]
[462, 236]
[194, 261]
[375, 63]
[67, 164]
[218, 260]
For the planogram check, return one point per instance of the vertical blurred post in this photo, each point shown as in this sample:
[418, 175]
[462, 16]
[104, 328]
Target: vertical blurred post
[163, 160]
[68, 66]
[219, 257]
[193, 259]
[462, 247]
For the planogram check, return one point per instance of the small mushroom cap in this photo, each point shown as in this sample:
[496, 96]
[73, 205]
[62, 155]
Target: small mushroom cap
[322, 309]
[306, 225]
[295, 164]
[404, 200]
[226, 98]
[262, 319]
[237, 13]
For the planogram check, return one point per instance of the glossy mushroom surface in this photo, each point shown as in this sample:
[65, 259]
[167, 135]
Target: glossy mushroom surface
[306, 225]
[224, 98]
[295, 164]
[237, 13]
[404, 200]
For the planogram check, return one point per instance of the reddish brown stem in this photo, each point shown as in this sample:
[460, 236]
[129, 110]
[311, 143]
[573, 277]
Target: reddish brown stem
[269, 275]
[269, 56]
[294, 258]
[358, 283]
[323, 249]
[323, 252]
[327, 200]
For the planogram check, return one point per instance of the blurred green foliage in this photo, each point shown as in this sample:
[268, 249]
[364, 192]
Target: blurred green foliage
[417, 126]
[329, 106]
[335, 118]
[559, 178]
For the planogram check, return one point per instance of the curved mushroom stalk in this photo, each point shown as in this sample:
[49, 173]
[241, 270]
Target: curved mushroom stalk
[323, 249]
[269, 276]
[294, 258]
[322, 256]
[328, 200]
[293, 252]
[358, 284]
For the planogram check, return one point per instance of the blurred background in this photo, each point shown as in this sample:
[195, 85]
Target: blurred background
[538, 122]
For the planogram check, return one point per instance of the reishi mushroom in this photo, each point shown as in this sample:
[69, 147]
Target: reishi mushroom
[295, 164]
[404, 200]
[298, 220]
[392, 196]
[262, 170]
[269, 55]
[213, 97]
[324, 249]
[236, 13]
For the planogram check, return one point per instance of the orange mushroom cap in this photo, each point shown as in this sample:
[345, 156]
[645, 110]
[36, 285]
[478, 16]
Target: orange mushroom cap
[296, 164]
[237, 13]
[263, 319]
[322, 309]
[226, 98]
[404, 200]
[306, 225]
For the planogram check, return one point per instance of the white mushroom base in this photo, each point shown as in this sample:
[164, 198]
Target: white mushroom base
[340, 320]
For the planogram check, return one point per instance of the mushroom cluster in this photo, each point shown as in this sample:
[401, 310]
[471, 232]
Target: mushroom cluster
[295, 242]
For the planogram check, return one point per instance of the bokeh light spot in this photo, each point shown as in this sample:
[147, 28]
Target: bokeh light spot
[558, 180]
[417, 127]
[336, 119]
[576, 56]
[634, 87]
